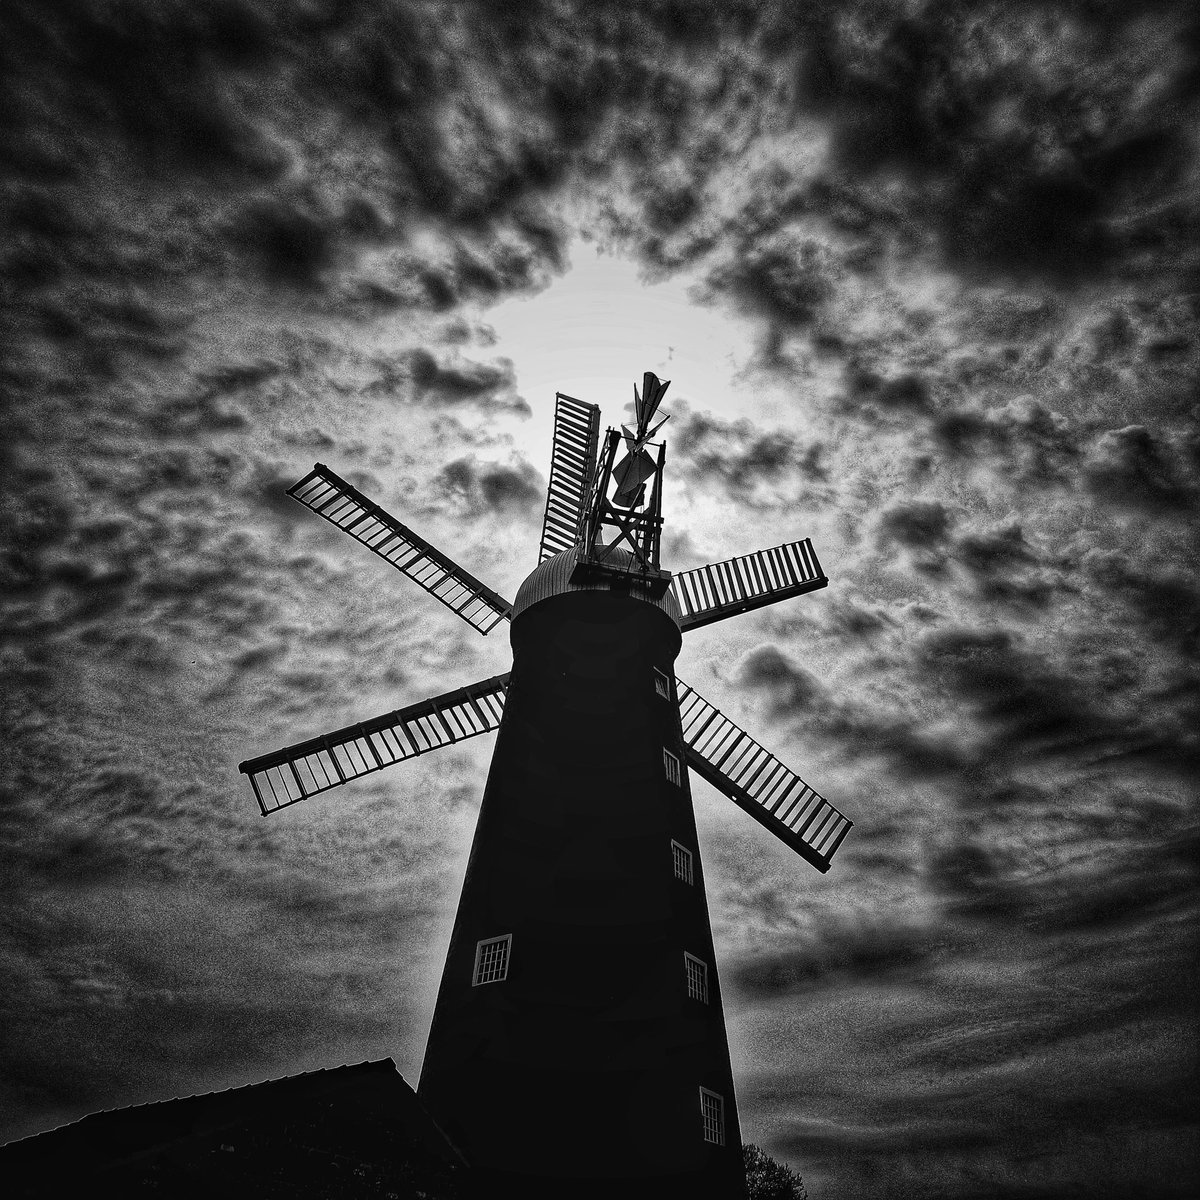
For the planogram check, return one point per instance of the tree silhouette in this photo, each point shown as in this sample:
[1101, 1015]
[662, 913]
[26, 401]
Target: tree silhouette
[767, 1179]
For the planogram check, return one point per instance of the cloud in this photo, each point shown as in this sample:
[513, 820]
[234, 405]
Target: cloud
[176, 964]
[157, 84]
[516, 489]
[840, 950]
[1138, 883]
[464, 382]
[792, 690]
[784, 279]
[293, 245]
[856, 729]
[1028, 709]
[904, 393]
[856, 622]
[1166, 601]
[1001, 549]
[892, 1021]
[249, 149]
[749, 464]
[1006, 569]
[1022, 434]
[972, 121]
[1131, 468]
[917, 523]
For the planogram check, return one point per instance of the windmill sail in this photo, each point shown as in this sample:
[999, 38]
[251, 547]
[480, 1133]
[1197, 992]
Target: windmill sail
[307, 768]
[724, 589]
[754, 779]
[331, 497]
[572, 468]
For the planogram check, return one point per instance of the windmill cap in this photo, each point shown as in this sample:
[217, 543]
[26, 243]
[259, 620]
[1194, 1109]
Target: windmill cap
[553, 578]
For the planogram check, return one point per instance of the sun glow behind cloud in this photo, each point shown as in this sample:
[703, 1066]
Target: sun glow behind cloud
[594, 331]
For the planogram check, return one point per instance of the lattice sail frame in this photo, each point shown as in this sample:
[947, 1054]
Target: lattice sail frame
[737, 585]
[755, 780]
[338, 502]
[572, 473]
[308, 768]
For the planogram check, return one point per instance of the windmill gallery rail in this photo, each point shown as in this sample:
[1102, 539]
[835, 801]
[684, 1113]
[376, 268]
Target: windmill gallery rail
[580, 1007]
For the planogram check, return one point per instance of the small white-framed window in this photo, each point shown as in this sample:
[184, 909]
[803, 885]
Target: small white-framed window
[712, 1112]
[662, 684]
[671, 767]
[491, 960]
[681, 860]
[697, 977]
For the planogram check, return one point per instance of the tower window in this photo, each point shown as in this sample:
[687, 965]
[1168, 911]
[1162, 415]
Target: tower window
[681, 858]
[712, 1110]
[662, 685]
[491, 960]
[671, 767]
[697, 977]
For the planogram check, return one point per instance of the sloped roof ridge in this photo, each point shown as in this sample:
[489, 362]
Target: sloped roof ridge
[144, 1108]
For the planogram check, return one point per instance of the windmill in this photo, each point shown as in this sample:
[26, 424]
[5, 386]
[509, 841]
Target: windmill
[578, 1042]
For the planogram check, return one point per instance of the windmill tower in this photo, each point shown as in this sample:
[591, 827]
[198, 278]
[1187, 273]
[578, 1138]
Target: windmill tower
[578, 1043]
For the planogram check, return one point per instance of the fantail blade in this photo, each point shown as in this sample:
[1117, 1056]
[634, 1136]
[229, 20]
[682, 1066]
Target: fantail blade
[653, 390]
[629, 475]
[645, 403]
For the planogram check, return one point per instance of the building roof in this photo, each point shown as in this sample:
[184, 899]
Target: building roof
[553, 578]
[114, 1142]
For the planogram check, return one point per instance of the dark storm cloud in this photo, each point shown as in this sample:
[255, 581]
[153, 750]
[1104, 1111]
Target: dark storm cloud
[992, 705]
[841, 951]
[157, 78]
[1001, 549]
[972, 882]
[795, 697]
[1024, 136]
[791, 688]
[1137, 883]
[1043, 1010]
[464, 382]
[749, 464]
[1166, 601]
[1038, 442]
[1132, 469]
[145, 144]
[783, 279]
[153, 547]
[1007, 570]
[211, 405]
[1025, 706]
[918, 523]
[902, 395]
[292, 244]
[855, 622]
[474, 488]
[1009, 689]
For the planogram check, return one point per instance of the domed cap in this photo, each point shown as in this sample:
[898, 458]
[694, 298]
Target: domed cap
[553, 578]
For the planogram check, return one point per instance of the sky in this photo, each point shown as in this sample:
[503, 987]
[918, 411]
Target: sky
[924, 278]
